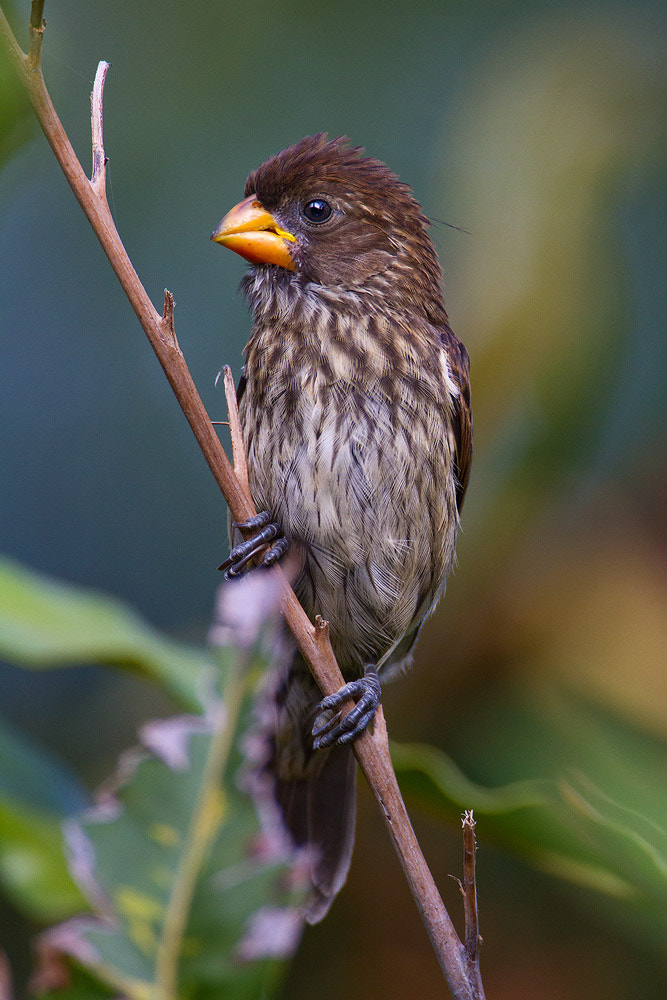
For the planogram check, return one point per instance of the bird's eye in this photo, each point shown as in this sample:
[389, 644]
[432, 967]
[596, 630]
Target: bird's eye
[317, 210]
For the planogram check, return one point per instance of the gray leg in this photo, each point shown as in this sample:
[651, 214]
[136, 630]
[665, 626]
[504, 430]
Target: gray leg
[330, 728]
[241, 554]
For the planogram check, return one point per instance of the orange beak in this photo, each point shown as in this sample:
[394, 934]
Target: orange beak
[252, 232]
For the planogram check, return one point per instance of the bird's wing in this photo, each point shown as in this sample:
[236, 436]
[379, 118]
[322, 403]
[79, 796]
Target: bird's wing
[459, 366]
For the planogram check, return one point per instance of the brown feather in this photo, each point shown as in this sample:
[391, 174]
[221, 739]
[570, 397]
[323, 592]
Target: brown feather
[459, 365]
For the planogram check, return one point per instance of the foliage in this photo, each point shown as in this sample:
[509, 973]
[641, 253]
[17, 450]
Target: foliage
[192, 887]
[582, 798]
[16, 119]
[172, 860]
[45, 624]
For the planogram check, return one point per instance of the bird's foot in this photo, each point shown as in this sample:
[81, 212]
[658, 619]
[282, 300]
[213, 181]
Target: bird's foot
[267, 531]
[330, 727]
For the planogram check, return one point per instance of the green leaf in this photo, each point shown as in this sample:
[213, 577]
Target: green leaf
[161, 941]
[46, 623]
[33, 868]
[36, 792]
[17, 123]
[585, 799]
[35, 777]
[197, 897]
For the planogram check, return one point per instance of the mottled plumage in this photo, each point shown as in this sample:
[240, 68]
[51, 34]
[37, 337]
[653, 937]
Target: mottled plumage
[355, 407]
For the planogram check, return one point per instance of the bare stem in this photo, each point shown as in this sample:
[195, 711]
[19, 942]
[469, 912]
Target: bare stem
[99, 175]
[37, 26]
[236, 434]
[372, 750]
[472, 939]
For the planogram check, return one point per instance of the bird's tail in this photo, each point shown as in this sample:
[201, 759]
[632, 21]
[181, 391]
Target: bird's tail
[319, 810]
[314, 790]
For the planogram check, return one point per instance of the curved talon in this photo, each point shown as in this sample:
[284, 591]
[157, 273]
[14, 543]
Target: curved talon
[245, 551]
[236, 566]
[363, 723]
[331, 728]
[258, 521]
[276, 552]
[324, 723]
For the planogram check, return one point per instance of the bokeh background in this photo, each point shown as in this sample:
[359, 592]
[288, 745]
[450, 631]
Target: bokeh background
[533, 134]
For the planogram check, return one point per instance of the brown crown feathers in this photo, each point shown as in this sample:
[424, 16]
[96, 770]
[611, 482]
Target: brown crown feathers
[377, 228]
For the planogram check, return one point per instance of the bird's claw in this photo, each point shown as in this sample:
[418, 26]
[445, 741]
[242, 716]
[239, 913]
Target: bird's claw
[331, 727]
[242, 553]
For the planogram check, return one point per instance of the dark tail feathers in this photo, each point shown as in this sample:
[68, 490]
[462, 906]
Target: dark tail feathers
[315, 791]
[320, 812]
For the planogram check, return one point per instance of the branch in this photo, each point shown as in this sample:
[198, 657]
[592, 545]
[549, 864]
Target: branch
[472, 939]
[235, 432]
[99, 177]
[37, 26]
[372, 750]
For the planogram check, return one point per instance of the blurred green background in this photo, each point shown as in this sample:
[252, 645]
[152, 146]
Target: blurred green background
[538, 129]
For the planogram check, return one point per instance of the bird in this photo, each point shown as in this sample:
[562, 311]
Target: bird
[356, 415]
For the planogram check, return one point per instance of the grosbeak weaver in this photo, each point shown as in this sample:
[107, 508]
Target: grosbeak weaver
[355, 406]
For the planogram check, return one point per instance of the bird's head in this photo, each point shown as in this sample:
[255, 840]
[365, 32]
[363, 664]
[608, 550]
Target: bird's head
[335, 218]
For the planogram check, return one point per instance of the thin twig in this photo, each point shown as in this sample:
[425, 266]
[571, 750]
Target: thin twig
[99, 176]
[37, 26]
[321, 629]
[472, 939]
[235, 432]
[167, 331]
[372, 750]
